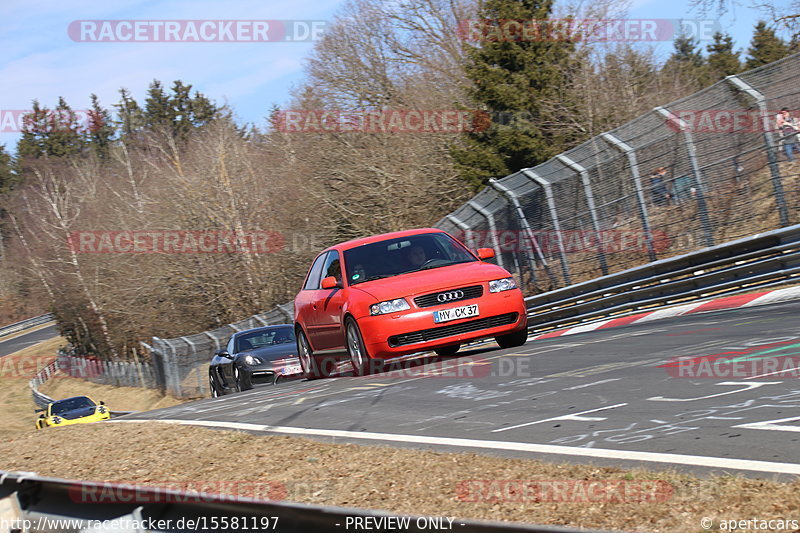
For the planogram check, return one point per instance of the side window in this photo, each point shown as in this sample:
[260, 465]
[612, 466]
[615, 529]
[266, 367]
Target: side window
[313, 279]
[333, 267]
[229, 347]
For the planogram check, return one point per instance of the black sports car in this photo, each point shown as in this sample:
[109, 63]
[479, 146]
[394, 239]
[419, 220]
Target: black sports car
[257, 356]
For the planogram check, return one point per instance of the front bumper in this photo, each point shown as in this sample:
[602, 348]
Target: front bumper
[397, 334]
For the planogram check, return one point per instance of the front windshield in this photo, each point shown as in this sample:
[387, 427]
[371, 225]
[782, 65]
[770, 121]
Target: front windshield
[402, 255]
[264, 337]
[71, 404]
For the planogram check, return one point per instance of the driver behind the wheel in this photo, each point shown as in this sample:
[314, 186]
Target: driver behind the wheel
[416, 256]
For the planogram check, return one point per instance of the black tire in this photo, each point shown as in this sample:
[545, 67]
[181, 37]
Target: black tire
[308, 361]
[512, 340]
[236, 385]
[447, 350]
[213, 386]
[363, 364]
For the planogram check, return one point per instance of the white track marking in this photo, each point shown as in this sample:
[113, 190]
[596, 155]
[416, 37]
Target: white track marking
[669, 312]
[772, 425]
[780, 295]
[747, 387]
[572, 416]
[600, 453]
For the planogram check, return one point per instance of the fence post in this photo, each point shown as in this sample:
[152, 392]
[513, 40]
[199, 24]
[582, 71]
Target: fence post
[769, 142]
[587, 190]
[551, 205]
[492, 228]
[702, 209]
[637, 182]
[200, 379]
[526, 227]
[470, 242]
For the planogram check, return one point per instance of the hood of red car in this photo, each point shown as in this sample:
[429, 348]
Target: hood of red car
[435, 279]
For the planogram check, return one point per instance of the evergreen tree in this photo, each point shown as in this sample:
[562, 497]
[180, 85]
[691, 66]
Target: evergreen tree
[65, 136]
[687, 61]
[522, 79]
[158, 110]
[722, 60]
[100, 131]
[54, 133]
[131, 116]
[7, 177]
[765, 47]
[34, 131]
[181, 103]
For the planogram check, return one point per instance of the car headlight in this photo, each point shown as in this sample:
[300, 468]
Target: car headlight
[251, 360]
[390, 306]
[500, 285]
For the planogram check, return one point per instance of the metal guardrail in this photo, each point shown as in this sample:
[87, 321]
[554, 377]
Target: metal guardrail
[50, 504]
[42, 400]
[762, 260]
[25, 324]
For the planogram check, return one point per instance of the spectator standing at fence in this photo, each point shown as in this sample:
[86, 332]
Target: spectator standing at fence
[787, 128]
[658, 187]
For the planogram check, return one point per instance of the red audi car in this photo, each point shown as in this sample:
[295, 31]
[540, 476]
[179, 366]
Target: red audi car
[386, 296]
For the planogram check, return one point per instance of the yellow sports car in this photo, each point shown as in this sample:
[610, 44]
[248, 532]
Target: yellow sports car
[75, 410]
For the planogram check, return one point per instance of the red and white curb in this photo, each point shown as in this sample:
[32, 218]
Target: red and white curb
[729, 302]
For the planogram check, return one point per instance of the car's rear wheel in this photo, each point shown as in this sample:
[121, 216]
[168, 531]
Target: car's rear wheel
[518, 338]
[362, 363]
[308, 361]
[447, 350]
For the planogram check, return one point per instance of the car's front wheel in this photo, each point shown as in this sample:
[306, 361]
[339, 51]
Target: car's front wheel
[359, 357]
[212, 386]
[512, 340]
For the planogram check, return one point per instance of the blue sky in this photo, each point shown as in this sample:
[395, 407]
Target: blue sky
[41, 61]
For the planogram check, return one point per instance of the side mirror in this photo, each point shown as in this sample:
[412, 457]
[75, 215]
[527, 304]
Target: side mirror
[330, 283]
[102, 402]
[485, 253]
[223, 353]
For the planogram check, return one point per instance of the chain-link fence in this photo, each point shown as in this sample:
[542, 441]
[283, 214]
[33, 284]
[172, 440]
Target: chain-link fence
[707, 169]
[181, 364]
[704, 170]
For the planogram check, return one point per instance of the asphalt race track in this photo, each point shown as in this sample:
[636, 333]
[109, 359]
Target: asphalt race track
[12, 345]
[601, 397]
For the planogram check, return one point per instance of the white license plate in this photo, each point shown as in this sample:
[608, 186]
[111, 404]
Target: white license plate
[454, 313]
[293, 369]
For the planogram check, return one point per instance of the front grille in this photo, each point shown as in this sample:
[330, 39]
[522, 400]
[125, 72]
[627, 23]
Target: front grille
[426, 335]
[429, 300]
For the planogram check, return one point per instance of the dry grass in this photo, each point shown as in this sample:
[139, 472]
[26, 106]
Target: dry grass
[16, 370]
[396, 480]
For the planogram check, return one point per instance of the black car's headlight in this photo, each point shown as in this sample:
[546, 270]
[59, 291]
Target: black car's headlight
[500, 285]
[390, 306]
[252, 360]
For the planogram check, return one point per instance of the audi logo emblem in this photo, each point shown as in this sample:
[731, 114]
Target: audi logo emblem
[449, 296]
